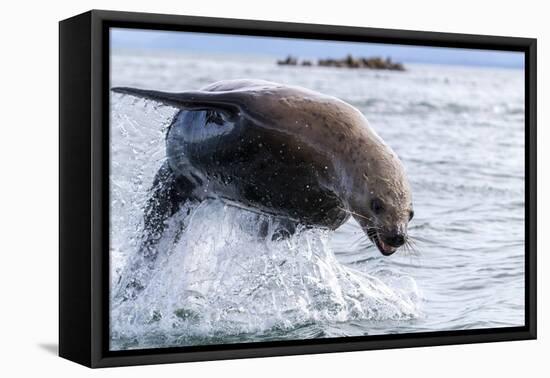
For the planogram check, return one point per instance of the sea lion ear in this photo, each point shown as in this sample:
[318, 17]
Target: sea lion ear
[191, 100]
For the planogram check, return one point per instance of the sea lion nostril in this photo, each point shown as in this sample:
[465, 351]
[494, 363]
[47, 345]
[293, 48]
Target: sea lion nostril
[395, 240]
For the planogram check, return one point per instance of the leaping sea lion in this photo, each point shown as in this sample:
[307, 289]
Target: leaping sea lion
[281, 150]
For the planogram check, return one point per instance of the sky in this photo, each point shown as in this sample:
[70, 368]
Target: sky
[279, 48]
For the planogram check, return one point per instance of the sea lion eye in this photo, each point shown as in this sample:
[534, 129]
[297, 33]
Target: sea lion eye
[411, 215]
[376, 206]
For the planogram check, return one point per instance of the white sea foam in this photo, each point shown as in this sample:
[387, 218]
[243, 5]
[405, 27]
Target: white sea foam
[219, 277]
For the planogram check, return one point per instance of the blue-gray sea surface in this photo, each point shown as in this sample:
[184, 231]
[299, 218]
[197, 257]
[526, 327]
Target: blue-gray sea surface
[460, 134]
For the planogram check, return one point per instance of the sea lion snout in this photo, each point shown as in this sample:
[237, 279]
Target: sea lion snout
[395, 238]
[387, 240]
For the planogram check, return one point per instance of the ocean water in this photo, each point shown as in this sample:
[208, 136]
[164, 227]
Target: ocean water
[460, 134]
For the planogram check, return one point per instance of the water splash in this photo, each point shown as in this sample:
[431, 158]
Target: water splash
[220, 280]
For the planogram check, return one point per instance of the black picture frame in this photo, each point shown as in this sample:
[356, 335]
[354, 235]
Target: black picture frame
[83, 181]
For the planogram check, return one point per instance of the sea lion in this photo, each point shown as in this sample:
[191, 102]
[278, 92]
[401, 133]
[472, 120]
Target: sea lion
[286, 151]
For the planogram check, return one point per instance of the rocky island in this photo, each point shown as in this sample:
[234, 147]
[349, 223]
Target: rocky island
[375, 63]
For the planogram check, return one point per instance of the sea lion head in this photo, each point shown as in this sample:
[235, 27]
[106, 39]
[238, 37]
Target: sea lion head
[382, 204]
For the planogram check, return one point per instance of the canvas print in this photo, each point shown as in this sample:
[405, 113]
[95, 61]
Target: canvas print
[267, 189]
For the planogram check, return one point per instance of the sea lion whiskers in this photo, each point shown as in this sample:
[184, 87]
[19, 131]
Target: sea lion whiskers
[410, 246]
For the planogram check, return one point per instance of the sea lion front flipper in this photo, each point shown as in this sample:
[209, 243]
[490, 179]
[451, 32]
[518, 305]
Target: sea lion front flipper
[225, 102]
[166, 197]
[167, 194]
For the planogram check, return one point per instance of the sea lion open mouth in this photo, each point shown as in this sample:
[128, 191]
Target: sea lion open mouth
[383, 247]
